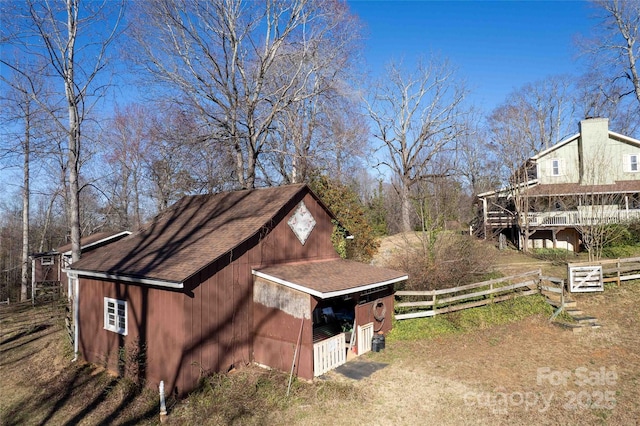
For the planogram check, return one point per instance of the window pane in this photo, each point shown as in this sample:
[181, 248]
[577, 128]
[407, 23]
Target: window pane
[115, 314]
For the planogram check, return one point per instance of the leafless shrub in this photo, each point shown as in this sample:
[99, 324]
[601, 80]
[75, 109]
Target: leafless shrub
[443, 260]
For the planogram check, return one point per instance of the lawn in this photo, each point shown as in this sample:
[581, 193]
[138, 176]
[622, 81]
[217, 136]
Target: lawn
[522, 370]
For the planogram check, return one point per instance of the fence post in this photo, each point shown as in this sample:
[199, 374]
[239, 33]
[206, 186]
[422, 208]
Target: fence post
[435, 308]
[618, 267]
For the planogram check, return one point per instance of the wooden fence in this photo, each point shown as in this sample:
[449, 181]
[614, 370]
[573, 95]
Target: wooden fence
[616, 270]
[472, 295]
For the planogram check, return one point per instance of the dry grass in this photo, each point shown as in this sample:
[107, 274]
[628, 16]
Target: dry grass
[484, 376]
[40, 384]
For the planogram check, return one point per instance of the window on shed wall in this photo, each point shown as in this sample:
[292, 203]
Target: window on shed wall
[115, 315]
[46, 260]
[555, 167]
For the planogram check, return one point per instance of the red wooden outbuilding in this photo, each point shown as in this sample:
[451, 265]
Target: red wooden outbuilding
[219, 281]
[48, 268]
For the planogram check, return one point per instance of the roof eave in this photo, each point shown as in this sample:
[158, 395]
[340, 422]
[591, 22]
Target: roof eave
[556, 146]
[507, 189]
[329, 294]
[111, 237]
[625, 138]
[126, 278]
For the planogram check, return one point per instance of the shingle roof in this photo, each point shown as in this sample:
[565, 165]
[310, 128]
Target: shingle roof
[330, 278]
[191, 234]
[91, 239]
[626, 186]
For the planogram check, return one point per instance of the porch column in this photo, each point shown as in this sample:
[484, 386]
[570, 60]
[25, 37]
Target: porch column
[626, 206]
[485, 216]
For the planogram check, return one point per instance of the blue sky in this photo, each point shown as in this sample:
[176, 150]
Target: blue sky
[497, 46]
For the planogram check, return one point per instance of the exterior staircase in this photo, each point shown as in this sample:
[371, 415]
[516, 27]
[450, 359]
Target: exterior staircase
[580, 323]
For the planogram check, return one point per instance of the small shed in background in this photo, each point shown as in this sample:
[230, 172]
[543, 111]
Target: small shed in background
[48, 268]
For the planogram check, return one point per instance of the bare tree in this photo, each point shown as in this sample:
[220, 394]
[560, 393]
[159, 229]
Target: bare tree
[600, 219]
[225, 59]
[322, 134]
[616, 50]
[417, 117]
[61, 35]
[611, 87]
[20, 111]
[125, 146]
[172, 139]
[530, 120]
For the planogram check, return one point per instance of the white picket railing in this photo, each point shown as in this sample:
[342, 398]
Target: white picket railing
[365, 334]
[329, 354]
[584, 217]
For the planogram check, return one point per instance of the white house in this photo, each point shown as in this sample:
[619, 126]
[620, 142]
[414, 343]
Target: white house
[590, 178]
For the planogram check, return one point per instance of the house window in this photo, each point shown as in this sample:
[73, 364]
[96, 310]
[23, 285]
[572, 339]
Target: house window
[633, 163]
[46, 260]
[555, 167]
[115, 315]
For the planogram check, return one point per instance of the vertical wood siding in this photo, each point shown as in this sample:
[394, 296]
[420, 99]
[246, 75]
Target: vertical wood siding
[213, 324]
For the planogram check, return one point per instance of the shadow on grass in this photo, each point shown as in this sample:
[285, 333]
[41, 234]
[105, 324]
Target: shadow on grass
[77, 393]
[23, 333]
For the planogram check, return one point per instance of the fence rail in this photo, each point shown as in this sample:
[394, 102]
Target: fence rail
[615, 270]
[463, 297]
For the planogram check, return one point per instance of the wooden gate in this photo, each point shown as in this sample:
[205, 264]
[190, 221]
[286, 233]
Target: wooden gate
[365, 334]
[585, 278]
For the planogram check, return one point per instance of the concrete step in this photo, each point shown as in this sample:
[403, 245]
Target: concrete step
[574, 327]
[585, 320]
[577, 328]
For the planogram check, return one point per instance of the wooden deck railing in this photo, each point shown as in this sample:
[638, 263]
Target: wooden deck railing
[564, 218]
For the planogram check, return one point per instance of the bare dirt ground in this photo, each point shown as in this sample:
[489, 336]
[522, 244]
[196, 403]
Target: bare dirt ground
[527, 372]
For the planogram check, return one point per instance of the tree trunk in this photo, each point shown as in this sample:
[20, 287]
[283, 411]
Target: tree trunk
[24, 281]
[405, 205]
[74, 133]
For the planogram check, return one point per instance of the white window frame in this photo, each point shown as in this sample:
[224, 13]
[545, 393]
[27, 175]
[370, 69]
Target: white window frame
[115, 315]
[633, 163]
[47, 260]
[556, 165]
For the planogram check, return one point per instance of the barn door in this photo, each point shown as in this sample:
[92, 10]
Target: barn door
[585, 278]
